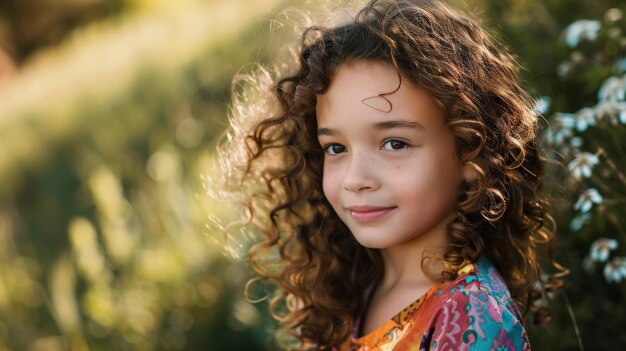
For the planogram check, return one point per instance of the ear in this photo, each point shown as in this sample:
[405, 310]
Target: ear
[469, 173]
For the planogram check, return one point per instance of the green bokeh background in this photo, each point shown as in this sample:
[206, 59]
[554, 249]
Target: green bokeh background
[108, 127]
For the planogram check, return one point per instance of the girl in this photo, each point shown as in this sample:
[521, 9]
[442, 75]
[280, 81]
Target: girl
[394, 179]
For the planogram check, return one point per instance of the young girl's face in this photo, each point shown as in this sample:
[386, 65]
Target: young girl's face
[391, 176]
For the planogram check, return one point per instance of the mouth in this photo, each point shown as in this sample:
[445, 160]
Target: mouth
[365, 214]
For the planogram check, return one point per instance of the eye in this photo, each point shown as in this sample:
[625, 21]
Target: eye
[334, 149]
[395, 145]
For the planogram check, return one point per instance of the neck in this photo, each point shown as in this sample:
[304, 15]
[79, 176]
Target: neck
[417, 262]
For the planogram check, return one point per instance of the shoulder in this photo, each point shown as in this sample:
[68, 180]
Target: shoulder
[477, 313]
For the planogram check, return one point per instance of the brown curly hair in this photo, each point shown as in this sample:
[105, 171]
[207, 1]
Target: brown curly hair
[304, 249]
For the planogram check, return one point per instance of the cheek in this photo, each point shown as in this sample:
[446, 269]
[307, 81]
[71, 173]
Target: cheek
[434, 180]
[445, 183]
[330, 185]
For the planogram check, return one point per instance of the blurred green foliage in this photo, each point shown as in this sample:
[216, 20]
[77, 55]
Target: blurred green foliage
[104, 214]
[106, 142]
[534, 30]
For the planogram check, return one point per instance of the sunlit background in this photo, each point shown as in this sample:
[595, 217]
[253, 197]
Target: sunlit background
[110, 111]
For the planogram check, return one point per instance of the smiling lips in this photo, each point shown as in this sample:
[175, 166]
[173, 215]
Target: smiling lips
[364, 214]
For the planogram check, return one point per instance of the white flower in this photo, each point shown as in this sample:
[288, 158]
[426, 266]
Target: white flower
[589, 265]
[563, 69]
[599, 251]
[576, 142]
[565, 120]
[581, 30]
[542, 105]
[557, 136]
[613, 110]
[587, 199]
[613, 89]
[621, 64]
[585, 117]
[580, 220]
[583, 163]
[613, 15]
[546, 296]
[615, 270]
[560, 128]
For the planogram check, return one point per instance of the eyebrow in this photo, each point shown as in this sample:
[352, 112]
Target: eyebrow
[386, 125]
[399, 124]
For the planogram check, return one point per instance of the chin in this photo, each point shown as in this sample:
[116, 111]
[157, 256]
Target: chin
[372, 243]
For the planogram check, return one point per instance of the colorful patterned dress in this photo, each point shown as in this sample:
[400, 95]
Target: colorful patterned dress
[473, 312]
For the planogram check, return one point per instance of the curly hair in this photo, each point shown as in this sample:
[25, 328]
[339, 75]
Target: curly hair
[305, 250]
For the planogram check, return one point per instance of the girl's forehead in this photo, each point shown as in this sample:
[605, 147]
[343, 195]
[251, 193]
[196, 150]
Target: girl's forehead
[374, 90]
[369, 76]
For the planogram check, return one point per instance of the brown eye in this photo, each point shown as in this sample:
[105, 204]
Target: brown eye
[334, 149]
[394, 145]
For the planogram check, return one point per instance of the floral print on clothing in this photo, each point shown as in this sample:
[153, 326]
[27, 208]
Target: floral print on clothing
[473, 312]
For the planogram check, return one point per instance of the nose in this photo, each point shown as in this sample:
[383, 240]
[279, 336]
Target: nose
[360, 175]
